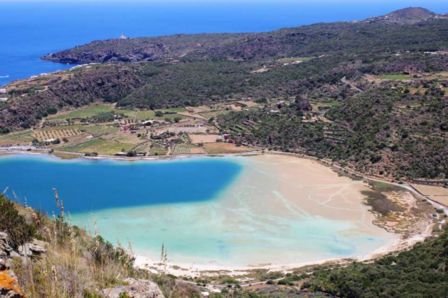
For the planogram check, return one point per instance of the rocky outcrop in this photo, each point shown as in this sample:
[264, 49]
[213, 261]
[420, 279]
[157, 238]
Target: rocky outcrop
[136, 288]
[34, 248]
[5, 249]
[9, 287]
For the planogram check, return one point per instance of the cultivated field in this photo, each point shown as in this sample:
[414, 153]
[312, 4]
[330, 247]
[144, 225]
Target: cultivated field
[96, 109]
[53, 134]
[105, 129]
[187, 149]
[435, 193]
[101, 146]
[222, 148]
[203, 138]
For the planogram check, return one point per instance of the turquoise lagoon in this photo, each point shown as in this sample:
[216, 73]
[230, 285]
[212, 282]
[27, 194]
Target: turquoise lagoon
[232, 211]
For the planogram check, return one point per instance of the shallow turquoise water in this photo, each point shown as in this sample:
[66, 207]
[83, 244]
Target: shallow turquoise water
[211, 211]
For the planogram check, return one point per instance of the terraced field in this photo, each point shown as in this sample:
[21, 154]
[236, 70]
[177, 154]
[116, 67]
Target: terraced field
[53, 134]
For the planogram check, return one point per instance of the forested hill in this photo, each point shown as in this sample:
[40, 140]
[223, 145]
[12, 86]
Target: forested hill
[142, 49]
[371, 95]
[407, 29]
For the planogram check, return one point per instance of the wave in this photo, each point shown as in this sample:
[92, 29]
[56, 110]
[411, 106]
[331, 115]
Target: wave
[4, 77]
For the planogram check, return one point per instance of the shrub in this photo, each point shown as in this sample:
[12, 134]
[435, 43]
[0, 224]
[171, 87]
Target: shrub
[4, 130]
[52, 110]
[14, 224]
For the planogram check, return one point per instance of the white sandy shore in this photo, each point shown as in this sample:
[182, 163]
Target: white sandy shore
[396, 243]
[21, 150]
[197, 270]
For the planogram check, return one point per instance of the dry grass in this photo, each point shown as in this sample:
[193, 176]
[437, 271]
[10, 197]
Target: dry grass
[17, 138]
[203, 138]
[187, 149]
[435, 193]
[100, 146]
[223, 148]
[75, 265]
[157, 150]
[65, 155]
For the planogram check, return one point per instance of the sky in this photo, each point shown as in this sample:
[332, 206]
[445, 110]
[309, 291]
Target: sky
[434, 4]
[358, 2]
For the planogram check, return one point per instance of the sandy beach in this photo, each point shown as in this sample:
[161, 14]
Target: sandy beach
[283, 212]
[304, 187]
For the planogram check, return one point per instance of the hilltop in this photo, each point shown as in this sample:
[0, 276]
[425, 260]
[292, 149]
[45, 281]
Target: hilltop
[411, 15]
[369, 95]
[142, 49]
[305, 40]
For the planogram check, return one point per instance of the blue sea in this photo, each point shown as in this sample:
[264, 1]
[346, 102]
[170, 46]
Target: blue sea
[30, 29]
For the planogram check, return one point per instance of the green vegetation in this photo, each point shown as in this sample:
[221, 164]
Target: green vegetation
[104, 112]
[221, 67]
[419, 272]
[75, 264]
[366, 95]
[94, 264]
[394, 127]
[380, 203]
[85, 112]
[98, 130]
[20, 137]
[361, 131]
[395, 76]
[14, 224]
[294, 60]
[101, 146]
[157, 150]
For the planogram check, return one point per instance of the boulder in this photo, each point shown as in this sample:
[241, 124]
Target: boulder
[136, 288]
[5, 263]
[5, 248]
[34, 248]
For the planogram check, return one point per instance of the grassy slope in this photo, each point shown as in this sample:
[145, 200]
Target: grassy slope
[75, 265]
